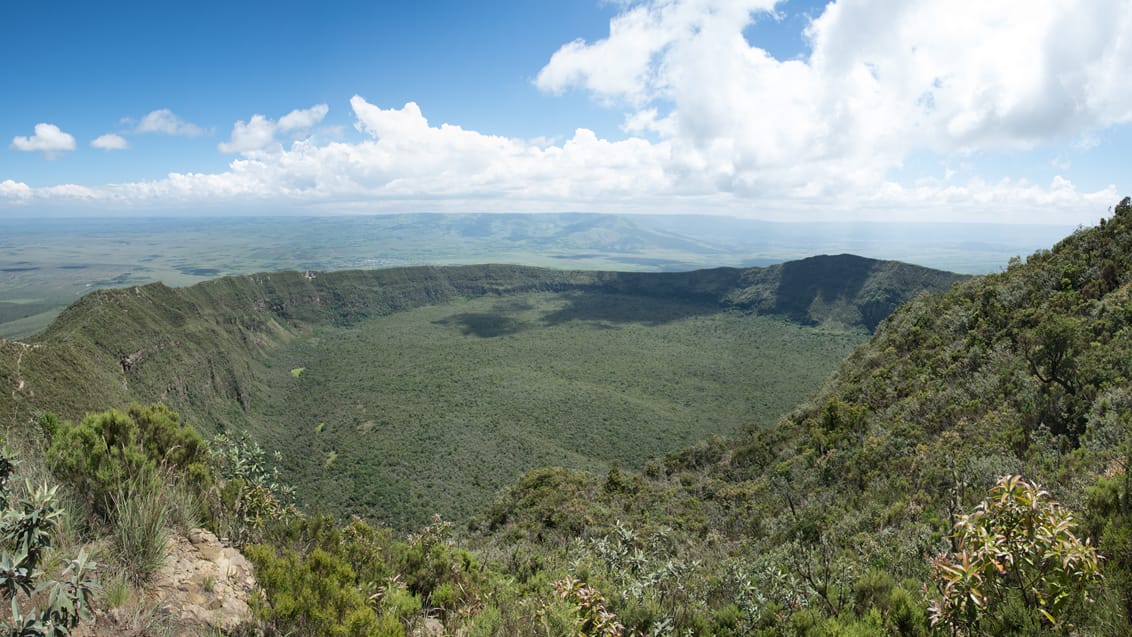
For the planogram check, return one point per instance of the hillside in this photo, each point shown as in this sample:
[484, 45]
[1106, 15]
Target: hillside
[825, 524]
[522, 367]
[829, 521]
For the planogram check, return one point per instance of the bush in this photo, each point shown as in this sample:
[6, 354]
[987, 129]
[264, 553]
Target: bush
[252, 493]
[112, 448]
[1018, 565]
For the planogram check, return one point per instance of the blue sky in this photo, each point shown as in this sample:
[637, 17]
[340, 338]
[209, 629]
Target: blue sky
[967, 111]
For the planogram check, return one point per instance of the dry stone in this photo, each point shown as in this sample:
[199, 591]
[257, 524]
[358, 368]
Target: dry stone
[203, 582]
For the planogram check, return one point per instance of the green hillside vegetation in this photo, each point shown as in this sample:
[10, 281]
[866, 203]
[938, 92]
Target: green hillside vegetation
[377, 386]
[829, 523]
[889, 503]
[432, 410]
[840, 519]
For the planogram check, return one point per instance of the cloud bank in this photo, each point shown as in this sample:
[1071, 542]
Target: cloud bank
[715, 123]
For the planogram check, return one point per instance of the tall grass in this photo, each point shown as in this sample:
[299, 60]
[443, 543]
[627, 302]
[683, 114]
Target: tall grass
[139, 529]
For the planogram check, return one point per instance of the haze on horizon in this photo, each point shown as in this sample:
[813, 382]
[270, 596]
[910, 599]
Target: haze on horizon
[792, 110]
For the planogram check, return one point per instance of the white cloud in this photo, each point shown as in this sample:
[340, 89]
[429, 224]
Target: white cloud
[110, 141]
[730, 128]
[253, 135]
[408, 164]
[303, 118]
[14, 190]
[48, 139]
[165, 122]
[258, 133]
[626, 65]
[882, 80]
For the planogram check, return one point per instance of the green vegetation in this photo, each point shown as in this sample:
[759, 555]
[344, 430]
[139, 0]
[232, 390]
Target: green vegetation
[27, 528]
[829, 522]
[412, 369]
[433, 410]
[1017, 549]
[139, 528]
[877, 506]
[113, 451]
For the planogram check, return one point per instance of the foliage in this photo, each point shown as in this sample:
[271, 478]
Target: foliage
[593, 620]
[139, 530]
[252, 492]
[357, 580]
[112, 448]
[26, 529]
[1018, 546]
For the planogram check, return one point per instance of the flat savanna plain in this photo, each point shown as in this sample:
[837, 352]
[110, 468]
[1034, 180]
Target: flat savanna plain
[432, 410]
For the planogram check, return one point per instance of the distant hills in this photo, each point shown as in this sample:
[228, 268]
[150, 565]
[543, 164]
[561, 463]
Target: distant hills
[45, 264]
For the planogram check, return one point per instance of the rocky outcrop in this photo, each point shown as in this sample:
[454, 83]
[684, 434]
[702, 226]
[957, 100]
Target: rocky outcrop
[203, 588]
[203, 583]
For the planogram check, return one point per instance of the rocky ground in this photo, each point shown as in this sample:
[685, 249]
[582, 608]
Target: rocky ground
[202, 589]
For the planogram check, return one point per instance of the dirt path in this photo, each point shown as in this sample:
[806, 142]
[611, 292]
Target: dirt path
[23, 349]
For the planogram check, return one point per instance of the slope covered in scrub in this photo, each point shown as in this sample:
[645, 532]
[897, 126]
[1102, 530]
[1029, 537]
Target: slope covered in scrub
[831, 519]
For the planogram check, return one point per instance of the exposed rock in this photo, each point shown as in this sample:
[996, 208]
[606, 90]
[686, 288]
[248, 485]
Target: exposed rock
[203, 586]
[204, 583]
[431, 627]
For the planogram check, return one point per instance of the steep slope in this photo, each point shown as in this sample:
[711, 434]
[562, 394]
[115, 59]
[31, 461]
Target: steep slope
[202, 342]
[831, 517]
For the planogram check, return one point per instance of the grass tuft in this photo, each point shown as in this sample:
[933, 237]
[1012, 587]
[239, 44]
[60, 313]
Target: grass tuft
[141, 515]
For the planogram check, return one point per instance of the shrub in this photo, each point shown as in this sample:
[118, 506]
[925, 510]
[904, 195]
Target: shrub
[27, 529]
[252, 493]
[111, 448]
[1018, 564]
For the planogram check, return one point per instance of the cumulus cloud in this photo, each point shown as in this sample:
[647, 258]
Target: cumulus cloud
[248, 136]
[165, 122]
[407, 163]
[258, 133]
[881, 80]
[110, 141]
[48, 139]
[303, 118]
[715, 123]
[14, 190]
